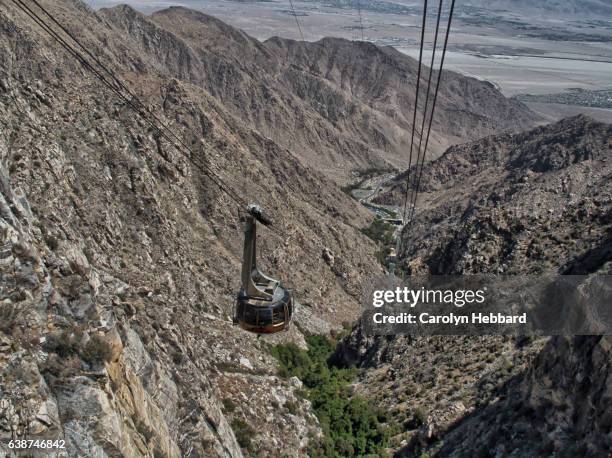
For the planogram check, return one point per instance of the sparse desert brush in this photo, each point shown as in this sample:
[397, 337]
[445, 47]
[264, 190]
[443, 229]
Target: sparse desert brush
[97, 350]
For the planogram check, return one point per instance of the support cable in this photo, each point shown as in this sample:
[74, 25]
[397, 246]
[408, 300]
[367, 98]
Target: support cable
[296, 20]
[416, 102]
[360, 19]
[429, 86]
[448, 28]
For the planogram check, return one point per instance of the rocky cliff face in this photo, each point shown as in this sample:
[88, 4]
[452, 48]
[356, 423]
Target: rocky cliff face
[513, 204]
[559, 407]
[120, 259]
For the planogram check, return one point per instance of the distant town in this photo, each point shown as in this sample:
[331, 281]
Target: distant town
[576, 96]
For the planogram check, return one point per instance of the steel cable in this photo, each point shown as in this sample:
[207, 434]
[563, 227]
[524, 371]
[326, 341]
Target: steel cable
[418, 183]
[416, 102]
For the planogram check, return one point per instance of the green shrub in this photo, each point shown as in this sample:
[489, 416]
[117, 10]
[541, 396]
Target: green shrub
[61, 367]
[244, 433]
[420, 416]
[292, 360]
[64, 343]
[97, 350]
[228, 405]
[10, 314]
[291, 407]
[352, 425]
[177, 357]
[380, 231]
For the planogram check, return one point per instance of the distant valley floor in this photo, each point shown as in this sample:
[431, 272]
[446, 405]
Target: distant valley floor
[554, 111]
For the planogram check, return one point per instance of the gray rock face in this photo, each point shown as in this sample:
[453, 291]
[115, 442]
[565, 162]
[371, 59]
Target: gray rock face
[99, 410]
[560, 406]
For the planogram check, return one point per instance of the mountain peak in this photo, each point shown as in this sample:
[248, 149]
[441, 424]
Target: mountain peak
[122, 9]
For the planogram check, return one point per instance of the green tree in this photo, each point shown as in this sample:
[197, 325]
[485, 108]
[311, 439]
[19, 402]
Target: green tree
[351, 424]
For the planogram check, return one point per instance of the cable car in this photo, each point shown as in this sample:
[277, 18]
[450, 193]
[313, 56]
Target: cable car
[263, 305]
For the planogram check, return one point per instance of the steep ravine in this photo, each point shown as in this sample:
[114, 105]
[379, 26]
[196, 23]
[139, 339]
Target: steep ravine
[540, 201]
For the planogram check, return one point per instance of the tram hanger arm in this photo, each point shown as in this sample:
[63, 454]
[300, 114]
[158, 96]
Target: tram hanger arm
[257, 212]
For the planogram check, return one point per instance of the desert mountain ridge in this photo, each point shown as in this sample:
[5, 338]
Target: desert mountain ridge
[340, 106]
[555, 7]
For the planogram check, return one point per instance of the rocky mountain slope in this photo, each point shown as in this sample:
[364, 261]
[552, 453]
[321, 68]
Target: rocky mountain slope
[340, 106]
[120, 260]
[513, 204]
[559, 407]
